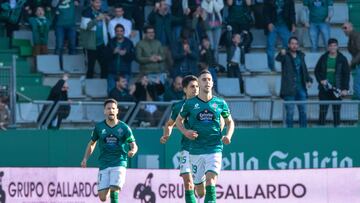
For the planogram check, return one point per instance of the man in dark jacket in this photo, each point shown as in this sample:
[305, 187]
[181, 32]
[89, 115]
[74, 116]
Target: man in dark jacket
[121, 93]
[175, 90]
[123, 53]
[161, 19]
[279, 18]
[332, 71]
[295, 80]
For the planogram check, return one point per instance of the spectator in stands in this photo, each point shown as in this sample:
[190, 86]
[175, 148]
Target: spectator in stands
[235, 56]
[10, 14]
[134, 11]
[280, 21]
[354, 49]
[146, 90]
[185, 55]
[240, 18]
[317, 15]
[213, 21]
[207, 59]
[4, 114]
[295, 80]
[123, 53]
[119, 19]
[258, 10]
[95, 38]
[332, 71]
[57, 93]
[40, 26]
[178, 17]
[31, 6]
[175, 91]
[149, 53]
[65, 27]
[161, 19]
[120, 92]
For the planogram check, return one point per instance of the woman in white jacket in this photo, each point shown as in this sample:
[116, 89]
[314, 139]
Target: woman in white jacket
[213, 21]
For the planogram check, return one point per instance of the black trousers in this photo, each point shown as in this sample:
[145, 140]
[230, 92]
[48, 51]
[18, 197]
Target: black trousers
[326, 95]
[101, 54]
[233, 71]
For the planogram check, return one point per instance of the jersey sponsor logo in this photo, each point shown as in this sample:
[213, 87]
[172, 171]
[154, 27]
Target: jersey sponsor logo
[111, 140]
[206, 116]
[197, 106]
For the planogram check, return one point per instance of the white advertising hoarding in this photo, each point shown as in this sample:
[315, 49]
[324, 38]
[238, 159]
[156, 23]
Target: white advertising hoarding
[76, 185]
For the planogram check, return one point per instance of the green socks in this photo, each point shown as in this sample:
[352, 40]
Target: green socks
[210, 196]
[190, 196]
[114, 196]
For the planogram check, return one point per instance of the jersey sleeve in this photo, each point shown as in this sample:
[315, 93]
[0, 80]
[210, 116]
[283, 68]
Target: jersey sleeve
[94, 135]
[174, 112]
[184, 112]
[225, 111]
[129, 136]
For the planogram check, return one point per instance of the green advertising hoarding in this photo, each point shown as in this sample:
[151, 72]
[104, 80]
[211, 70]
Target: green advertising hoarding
[262, 148]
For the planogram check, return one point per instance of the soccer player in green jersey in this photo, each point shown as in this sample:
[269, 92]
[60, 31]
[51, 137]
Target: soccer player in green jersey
[191, 89]
[113, 136]
[203, 114]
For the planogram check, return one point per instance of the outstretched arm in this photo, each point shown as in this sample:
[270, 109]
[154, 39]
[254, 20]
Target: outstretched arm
[167, 131]
[230, 126]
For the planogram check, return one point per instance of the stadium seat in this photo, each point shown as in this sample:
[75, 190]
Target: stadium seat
[4, 43]
[263, 109]
[229, 87]
[34, 92]
[257, 87]
[74, 63]
[256, 62]
[313, 91]
[96, 88]
[77, 114]
[75, 88]
[259, 38]
[341, 13]
[94, 113]
[48, 64]
[27, 112]
[29, 81]
[23, 34]
[222, 59]
[242, 110]
[311, 59]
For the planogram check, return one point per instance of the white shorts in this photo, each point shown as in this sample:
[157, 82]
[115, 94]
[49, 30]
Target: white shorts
[185, 166]
[203, 163]
[111, 177]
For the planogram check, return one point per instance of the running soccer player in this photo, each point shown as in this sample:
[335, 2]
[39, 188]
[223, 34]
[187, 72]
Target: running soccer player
[191, 89]
[203, 114]
[113, 136]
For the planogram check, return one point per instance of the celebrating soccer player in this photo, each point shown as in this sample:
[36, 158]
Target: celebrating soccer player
[191, 89]
[113, 136]
[202, 114]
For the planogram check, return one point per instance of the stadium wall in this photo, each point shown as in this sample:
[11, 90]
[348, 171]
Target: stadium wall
[250, 149]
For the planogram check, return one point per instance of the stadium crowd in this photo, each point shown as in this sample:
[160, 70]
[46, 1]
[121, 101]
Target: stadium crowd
[182, 37]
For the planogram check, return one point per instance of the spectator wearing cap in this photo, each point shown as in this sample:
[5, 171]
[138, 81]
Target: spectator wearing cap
[354, 49]
[332, 71]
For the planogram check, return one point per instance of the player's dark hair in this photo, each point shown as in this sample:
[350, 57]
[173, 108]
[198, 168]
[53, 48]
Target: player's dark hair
[333, 41]
[293, 38]
[107, 101]
[204, 72]
[119, 26]
[187, 79]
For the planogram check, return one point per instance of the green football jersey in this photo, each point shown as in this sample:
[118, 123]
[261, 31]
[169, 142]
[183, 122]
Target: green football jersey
[175, 110]
[113, 143]
[204, 118]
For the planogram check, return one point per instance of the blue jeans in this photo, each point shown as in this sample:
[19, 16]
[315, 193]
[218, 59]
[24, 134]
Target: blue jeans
[284, 34]
[214, 37]
[62, 32]
[315, 30]
[290, 109]
[356, 76]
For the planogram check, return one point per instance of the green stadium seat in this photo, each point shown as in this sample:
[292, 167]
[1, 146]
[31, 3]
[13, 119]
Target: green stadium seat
[34, 92]
[25, 51]
[21, 42]
[29, 80]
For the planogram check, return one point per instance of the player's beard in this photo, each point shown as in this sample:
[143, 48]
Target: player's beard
[111, 117]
